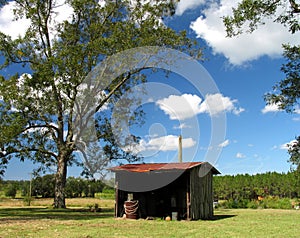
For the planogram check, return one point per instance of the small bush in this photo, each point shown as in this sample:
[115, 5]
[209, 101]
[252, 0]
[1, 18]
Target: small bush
[94, 208]
[253, 204]
[276, 203]
[237, 203]
[27, 200]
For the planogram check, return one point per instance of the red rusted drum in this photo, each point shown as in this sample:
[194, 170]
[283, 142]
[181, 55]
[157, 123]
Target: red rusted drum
[131, 209]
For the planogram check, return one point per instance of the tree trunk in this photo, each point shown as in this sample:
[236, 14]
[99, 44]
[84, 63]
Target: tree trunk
[60, 182]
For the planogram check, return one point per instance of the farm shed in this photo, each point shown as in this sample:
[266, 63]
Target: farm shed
[181, 190]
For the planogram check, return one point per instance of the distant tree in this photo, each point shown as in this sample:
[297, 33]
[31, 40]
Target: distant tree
[78, 187]
[38, 110]
[11, 190]
[44, 186]
[75, 186]
[252, 13]
[71, 187]
[244, 186]
[24, 186]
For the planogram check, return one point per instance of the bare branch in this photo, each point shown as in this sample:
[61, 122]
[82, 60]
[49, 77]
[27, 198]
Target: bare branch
[39, 126]
[18, 151]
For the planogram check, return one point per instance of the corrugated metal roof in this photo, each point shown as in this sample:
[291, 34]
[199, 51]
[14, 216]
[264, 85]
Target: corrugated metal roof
[157, 167]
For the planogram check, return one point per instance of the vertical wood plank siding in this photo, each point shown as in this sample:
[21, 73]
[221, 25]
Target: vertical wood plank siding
[201, 195]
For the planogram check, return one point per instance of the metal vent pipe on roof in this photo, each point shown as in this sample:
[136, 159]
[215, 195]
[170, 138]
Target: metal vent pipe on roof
[180, 149]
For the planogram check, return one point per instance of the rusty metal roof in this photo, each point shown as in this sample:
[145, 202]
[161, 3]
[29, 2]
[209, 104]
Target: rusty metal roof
[141, 168]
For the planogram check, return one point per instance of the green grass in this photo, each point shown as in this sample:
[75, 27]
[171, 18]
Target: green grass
[47, 202]
[43, 222]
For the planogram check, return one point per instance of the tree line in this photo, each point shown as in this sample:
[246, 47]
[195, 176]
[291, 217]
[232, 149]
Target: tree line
[44, 186]
[250, 187]
[226, 187]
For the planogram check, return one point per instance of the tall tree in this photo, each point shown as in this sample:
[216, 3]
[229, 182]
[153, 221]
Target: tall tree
[38, 110]
[294, 150]
[247, 16]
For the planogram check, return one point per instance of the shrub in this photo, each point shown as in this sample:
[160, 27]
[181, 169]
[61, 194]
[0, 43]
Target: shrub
[94, 208]
[276, 203]
[253, 204]
[268, 202]
[27, 200]
[237, 203]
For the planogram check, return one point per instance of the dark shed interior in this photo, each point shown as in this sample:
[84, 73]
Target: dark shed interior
[178, 190]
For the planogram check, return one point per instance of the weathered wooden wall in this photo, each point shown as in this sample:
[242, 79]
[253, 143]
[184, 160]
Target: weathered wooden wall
[201, 195]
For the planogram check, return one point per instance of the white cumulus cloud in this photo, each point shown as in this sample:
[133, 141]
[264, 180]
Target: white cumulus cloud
[271, 108]
[181, 107]
[266, 40]
[15, 28]
[163, 143]
[184, 5]
[168, 143]
[8, 25]
[286, 146]
[215, 104]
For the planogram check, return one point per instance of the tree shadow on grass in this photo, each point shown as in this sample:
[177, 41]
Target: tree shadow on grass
[9, 214]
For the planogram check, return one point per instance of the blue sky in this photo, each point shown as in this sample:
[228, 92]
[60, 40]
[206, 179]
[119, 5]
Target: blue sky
[243, 69]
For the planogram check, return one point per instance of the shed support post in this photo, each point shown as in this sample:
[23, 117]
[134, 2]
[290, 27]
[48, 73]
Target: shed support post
[188, 201]
[116, 199]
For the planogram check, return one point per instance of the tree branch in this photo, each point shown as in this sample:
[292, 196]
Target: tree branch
[113, 91]
[17, 151]
[295, 6]
[39, 126]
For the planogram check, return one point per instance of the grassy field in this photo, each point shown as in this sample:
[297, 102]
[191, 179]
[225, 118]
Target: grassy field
[47, 202]
[40, 221]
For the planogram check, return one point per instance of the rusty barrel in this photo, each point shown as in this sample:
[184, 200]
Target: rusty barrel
[131, 209]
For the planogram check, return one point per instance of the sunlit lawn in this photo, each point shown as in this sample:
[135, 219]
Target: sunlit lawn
[75, 222]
